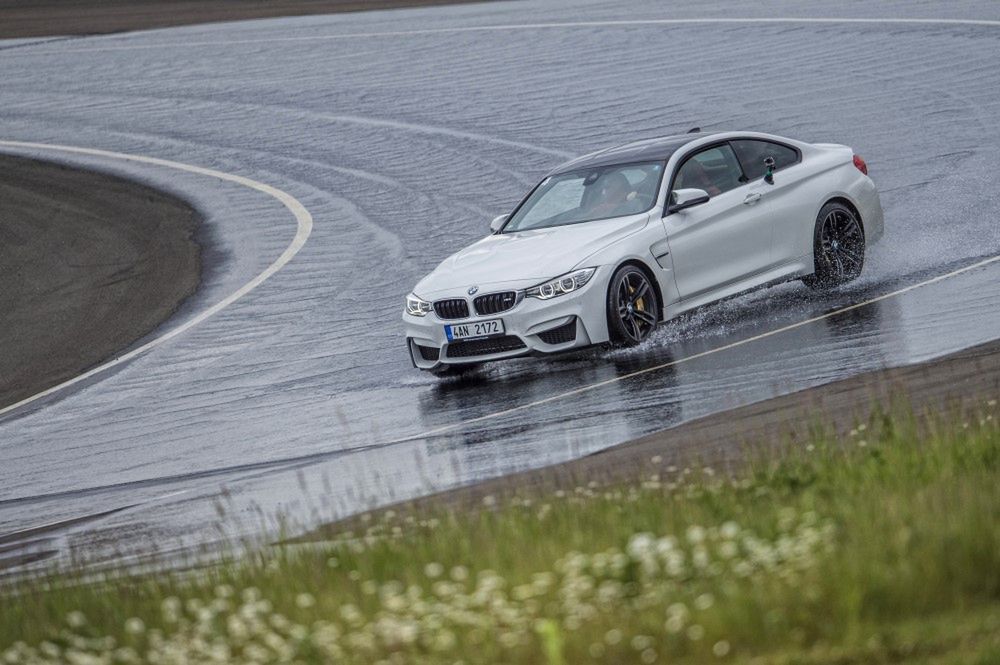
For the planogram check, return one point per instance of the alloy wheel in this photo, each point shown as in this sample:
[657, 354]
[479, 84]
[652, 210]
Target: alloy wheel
[842, 245]
[636, 306]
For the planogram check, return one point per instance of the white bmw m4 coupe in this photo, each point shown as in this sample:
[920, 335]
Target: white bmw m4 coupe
[609, 245]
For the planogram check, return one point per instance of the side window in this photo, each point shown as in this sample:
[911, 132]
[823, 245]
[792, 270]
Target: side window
[752, 154]
[715, 170]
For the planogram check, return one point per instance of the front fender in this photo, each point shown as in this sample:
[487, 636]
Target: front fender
[639, 249]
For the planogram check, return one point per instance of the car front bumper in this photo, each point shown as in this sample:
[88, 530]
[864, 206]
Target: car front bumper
[571, 321]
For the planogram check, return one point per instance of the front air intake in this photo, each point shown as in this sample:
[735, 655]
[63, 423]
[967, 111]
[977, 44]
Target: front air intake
[484, 347]
[429, 352]
[560, 335]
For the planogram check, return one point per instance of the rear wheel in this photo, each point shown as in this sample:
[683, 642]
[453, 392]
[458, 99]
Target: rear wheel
[838, 247]
[633, 310]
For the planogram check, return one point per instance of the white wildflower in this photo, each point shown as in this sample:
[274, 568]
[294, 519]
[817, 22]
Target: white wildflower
[640, 545]
[134, 626]
[665, 544]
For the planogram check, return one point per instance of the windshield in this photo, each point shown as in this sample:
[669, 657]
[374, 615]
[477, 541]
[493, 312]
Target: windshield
[593, 193]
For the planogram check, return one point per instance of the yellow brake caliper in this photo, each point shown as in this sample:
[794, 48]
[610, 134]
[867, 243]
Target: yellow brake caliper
[639, 304]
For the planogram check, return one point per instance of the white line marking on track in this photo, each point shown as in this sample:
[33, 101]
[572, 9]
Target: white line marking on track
[303, 220]
[724, 347]
[512, 27]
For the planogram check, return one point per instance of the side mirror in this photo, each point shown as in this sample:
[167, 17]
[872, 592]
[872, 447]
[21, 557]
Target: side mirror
[682, 199]
[497, 223]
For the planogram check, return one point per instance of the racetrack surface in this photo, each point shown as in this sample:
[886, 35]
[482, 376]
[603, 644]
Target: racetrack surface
[402, 134]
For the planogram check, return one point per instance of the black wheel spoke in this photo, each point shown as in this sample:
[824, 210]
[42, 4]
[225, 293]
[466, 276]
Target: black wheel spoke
[830, 223]
[640, 292]
[637, 331]
[841, 271]
[645, 316]
[851, 256]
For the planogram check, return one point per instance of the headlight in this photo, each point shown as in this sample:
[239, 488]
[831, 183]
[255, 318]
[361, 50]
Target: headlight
[561, 285]
[417, 307]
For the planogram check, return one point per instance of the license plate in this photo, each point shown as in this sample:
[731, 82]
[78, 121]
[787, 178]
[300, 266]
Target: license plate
[476, 330]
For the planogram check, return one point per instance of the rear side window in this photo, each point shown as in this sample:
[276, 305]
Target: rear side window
[752, 154]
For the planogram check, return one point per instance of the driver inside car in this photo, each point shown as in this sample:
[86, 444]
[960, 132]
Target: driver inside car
[615, 196]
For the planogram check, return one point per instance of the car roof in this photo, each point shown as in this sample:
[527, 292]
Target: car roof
[648, 150]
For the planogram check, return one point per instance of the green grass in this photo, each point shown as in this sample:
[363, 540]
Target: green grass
[880, 547]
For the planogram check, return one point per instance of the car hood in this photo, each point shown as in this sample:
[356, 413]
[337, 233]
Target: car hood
[522, 259]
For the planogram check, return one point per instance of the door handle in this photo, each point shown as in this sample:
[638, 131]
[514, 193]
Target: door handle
[752, 198]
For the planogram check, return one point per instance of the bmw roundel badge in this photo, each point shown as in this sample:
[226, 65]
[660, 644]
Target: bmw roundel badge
[472, 290]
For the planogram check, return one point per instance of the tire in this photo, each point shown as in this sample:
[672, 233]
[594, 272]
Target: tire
[632, 307]
[838, 247]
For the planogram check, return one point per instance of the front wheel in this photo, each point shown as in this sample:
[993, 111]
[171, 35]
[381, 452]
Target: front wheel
[633, 310]
[838, 247]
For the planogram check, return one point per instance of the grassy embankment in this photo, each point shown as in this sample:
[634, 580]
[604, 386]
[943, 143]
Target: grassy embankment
[882, 547]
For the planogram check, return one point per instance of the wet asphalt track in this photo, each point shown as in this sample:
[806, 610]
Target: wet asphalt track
[403, 133]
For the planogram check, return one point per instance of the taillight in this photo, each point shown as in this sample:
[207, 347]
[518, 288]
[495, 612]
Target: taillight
[860, 164]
